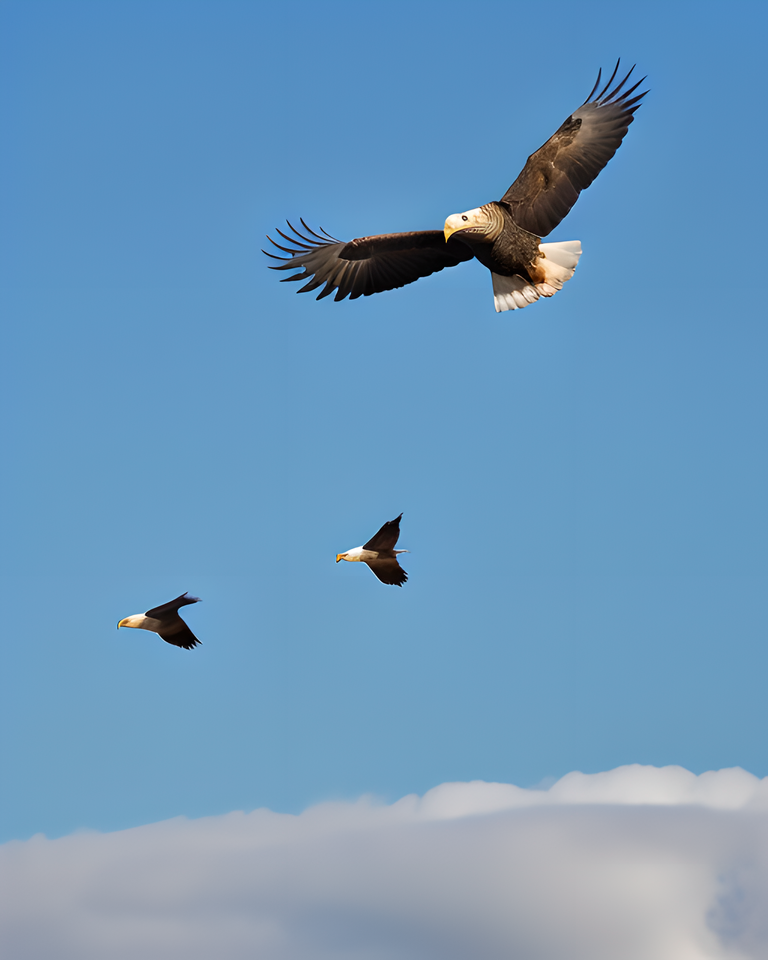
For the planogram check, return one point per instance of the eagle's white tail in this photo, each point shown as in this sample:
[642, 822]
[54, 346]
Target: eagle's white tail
[511, 293]
[557, 264]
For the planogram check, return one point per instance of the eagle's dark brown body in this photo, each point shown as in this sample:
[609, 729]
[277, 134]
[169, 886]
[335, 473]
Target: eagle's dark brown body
[506, 251]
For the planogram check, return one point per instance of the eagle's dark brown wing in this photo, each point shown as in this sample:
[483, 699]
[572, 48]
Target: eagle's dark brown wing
[174, 630]
[386, 538]
[388, 571]
[178, 633]
[168, 609]
[554, 176]
[366, 265]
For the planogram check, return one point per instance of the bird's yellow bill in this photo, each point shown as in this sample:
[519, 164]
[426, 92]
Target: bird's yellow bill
[456, 221]
[122, 623]
[339, 557]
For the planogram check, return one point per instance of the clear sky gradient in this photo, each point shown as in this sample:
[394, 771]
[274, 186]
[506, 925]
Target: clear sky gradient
[583, 482]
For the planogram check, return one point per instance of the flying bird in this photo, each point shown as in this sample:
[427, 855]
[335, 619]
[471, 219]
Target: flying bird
[165, 621]
[380, 554]
[503, 235]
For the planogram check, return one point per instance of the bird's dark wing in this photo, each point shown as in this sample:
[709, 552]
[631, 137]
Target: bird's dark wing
[388, 571]
[179, 634]
[386, 538]
[554, 176]
[165, 609]
[366, 265]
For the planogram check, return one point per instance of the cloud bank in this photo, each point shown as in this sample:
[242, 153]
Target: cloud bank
[638, 863]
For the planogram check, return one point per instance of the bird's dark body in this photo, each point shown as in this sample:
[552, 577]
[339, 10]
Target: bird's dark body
[511, 252]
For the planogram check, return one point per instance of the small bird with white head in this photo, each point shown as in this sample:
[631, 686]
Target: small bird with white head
[380, 554]
[166, 622]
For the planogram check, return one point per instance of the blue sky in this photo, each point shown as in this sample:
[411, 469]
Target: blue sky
[583, 482]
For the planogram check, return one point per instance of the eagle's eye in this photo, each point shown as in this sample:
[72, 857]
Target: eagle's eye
[464, 216]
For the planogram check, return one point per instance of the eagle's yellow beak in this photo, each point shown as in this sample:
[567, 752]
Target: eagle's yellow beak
[339, 556]
[463, 221]
[456, 221]
[122, 623]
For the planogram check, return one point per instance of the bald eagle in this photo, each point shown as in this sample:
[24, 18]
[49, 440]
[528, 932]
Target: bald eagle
[380, 554]
[503, 235]
[165, 621]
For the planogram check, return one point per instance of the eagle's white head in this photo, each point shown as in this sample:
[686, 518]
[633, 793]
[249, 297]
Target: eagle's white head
[470, 219]
[140, 622]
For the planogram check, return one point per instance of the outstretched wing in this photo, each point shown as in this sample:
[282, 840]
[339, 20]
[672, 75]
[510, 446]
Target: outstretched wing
[386, 538]
[174, 630]
[388, 571]
[158, 613]
[366, 265]
[179, 634]
[554, 176]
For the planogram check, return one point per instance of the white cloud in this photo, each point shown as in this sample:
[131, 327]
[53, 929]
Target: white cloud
[638, 863]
